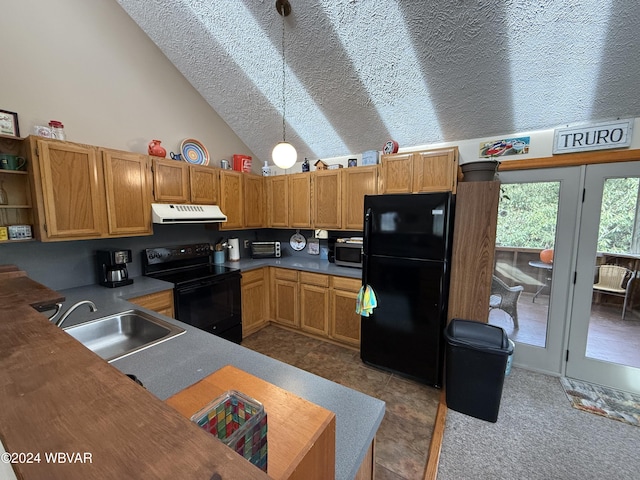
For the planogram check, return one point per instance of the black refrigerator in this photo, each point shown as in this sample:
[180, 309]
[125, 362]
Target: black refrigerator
[407, 254]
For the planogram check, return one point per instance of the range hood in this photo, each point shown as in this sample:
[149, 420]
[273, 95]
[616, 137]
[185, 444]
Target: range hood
[171, 213]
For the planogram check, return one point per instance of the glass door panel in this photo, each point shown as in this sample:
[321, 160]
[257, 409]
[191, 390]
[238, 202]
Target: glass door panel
[534, 244]
[605, 321]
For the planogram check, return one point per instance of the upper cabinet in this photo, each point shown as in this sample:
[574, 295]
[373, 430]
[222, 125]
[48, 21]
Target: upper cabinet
[232, 199]
[204, 185]
[127, 178]
[327, 199]
[69, 188]
[300, 200]
[18, 209]
[170, 181]
[85, 192]
[357, 182]
[419, 172]
[277, 200]
[254, 214]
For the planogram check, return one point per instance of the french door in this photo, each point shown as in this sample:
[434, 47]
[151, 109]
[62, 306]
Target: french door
[604, 333]
[589, 217]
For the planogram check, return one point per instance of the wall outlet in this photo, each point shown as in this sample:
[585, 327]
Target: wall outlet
[246, 244]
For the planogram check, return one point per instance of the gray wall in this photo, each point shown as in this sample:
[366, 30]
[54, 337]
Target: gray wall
[60, 265]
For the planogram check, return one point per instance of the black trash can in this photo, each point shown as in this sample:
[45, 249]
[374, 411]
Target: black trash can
[476, 357]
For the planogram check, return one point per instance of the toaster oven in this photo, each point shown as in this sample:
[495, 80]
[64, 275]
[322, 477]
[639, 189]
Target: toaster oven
[265, 250]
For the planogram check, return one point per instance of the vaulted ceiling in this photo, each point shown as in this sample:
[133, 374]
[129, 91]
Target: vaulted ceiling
[360, 72]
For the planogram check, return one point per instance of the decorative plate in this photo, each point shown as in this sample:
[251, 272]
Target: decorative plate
[298, 241]
[390, 147]
[194, 152]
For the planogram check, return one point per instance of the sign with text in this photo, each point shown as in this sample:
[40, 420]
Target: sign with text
[595, 136]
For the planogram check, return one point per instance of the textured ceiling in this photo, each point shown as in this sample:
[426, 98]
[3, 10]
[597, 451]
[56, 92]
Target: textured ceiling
[360, 72]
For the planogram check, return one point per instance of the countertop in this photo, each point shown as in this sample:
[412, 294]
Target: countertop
[169, 367]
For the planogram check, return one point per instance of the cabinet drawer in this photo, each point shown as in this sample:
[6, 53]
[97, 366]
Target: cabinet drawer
[252, 276]
[318, 279]
[286, 274]
[348, 284]
[161, 302]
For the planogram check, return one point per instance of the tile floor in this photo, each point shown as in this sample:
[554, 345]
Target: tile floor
[403, 438]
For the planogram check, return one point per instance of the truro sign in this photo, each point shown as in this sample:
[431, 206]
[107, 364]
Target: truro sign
[595, 136]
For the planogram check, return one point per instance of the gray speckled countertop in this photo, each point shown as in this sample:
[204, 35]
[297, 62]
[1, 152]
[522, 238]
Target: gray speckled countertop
[169, 367]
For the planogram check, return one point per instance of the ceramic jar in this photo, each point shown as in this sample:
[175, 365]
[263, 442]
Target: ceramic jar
[156, 149]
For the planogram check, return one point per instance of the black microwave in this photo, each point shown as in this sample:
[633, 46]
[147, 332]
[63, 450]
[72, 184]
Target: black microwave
[348, 254]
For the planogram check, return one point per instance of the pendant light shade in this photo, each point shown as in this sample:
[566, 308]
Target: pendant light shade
[284, 155]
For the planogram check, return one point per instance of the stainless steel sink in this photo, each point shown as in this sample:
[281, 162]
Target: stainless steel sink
[122, 334]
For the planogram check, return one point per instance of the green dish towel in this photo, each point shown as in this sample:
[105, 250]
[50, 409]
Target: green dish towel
[366, 301]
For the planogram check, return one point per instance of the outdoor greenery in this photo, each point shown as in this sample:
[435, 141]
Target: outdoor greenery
[528, 213]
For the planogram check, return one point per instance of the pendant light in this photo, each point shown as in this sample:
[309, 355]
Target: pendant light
[284, 155]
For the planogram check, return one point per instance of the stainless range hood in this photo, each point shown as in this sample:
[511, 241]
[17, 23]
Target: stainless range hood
[172, 213]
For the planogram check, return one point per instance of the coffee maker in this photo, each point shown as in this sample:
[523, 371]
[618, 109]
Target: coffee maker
[112, 267]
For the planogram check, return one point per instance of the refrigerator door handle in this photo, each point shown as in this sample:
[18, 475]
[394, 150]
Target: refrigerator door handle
[365, 246]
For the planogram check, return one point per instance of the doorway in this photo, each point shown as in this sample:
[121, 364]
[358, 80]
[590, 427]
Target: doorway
[559, 231]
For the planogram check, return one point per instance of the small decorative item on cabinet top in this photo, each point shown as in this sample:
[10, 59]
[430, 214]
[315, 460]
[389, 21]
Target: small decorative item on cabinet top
[320, 165]
[352, 162]
[9, 123]
[390, 147]
[156, 149]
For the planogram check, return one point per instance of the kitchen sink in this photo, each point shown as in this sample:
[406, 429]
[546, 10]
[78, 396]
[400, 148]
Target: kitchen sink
[122, 334]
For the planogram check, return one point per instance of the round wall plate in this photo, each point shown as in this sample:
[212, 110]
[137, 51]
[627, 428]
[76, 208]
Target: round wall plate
[390, 147]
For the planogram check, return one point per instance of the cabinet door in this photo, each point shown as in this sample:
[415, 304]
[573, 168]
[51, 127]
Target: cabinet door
[254, 301]
[161, 302]
[128, 191]
[300, 200]
[314, 303]
[357, 182]
[72, 190]
[231, 199]
[345, 323]
[284, 292]
[253, 201]
[435, 171]
[203, 183]
[170, 181]
[397, 173]
[278, 201]
[327, 196]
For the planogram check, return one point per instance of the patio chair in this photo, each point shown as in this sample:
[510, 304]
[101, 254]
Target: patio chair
[614, 280]
[505, 298]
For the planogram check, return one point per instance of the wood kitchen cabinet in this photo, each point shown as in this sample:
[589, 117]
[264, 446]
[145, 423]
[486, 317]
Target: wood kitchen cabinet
[203, 185]
[314, 303]
[68, 185]
[327, 199]
[277, 200]
[170, 181]
[254, 201]
[300, 200]
[19, 207]
[255, 300]
[128, 192]
[161, 302]
[357, 182]
[420, 172]
[345, 322]
[285, 308]
[232, 199]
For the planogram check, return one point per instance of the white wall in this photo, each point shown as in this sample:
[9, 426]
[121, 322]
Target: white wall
[87, 64]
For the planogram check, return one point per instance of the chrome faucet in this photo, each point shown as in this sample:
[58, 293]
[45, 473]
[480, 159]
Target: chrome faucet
[65, 315]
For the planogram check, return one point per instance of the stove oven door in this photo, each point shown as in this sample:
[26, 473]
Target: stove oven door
[213, 305]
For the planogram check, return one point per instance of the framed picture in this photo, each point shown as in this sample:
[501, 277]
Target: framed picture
[9, 123]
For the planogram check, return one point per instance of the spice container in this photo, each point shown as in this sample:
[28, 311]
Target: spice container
[57, 130]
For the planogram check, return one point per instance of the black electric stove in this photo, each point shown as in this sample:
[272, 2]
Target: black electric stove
[206, 295]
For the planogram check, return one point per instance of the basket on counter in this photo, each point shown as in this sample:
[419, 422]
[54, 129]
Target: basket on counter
[240, 422]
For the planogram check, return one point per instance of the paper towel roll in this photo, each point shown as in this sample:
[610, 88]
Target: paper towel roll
[234, 250]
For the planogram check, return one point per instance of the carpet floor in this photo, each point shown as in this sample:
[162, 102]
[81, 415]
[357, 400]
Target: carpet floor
[538, 435]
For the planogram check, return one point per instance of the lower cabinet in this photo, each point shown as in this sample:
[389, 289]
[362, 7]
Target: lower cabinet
[322, 305]
[255, 300]
[345, 322]
[161, 302]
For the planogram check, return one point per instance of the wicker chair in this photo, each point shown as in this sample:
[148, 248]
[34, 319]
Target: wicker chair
[615, 280]
[504, 297]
